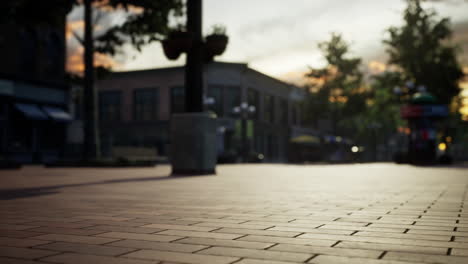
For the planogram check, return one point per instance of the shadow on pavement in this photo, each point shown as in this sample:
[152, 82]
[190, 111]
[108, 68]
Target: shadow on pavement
[11, 194]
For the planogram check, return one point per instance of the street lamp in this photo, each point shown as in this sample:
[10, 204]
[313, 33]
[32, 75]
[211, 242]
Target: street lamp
[244, 110]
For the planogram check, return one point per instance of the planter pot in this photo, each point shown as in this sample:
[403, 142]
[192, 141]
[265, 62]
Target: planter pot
[177, 43]
[170, 50]
[216, 44]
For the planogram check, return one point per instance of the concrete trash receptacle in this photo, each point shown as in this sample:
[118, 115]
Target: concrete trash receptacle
[193, 144]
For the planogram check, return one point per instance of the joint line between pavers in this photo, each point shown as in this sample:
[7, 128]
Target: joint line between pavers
[117, 240]
[271, 246]
[219, 228]
[240, 237]
[194, 252]
[337, 242]
[178, 239]
[51, 255]
[236, 261]
[132, 251]
[309, 259]
[382, 255]
[298, 234]
[449, 251]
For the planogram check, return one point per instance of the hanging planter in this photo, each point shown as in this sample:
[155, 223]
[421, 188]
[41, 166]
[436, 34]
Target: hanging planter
[177, 43]
[216, 42]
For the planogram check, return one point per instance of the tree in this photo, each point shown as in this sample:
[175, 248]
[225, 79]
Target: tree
[149, 24]
[421, 49]
[337, 92]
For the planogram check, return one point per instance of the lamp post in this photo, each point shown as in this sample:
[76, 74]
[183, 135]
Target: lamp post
[193, 133]
[244, 110]
[194, 63]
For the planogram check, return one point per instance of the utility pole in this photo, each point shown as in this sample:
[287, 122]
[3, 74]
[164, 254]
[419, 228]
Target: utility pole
[91, 134]
[194, 65]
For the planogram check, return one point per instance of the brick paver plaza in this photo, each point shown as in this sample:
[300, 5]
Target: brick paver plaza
[247, 214]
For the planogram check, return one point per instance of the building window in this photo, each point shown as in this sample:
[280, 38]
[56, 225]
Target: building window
[253, 98]
[269, 110]
[145, 104]
[283, 107]
[215, 92]
[177, 99]
[232, 99]
[109, 105]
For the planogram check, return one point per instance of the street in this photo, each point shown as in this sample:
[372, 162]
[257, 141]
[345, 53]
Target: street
[246, 214]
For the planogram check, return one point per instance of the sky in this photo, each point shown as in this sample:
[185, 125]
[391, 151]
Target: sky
[279, 37]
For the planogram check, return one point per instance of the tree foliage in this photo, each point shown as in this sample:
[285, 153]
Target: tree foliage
[337, 92]
[146, 20]
[420, 48]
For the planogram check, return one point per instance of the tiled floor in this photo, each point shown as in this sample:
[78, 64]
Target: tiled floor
[247, 214]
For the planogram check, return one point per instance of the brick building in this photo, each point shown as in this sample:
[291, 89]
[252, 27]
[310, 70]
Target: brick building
[33, 91]
[135, 108]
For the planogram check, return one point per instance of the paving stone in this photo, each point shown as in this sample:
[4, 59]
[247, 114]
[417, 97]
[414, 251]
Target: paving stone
[444, 238]
[66, 231]
[257, 232]
[75, 239]
[59, 224]
[15, 227]
[17, 242]
[260, 261]
[180, 227]
[238, 226]
[4, 260]
[99, 229]
[182, 233]
[246, 214]
[384, 240]
[392, 247]
[256, 254]
[123, 235]
[180, 257]
[91, 223]
[73, 258]
[298, 241]
[225, 243]
[352, 252]
[312, 230]
[24, 253]
[85, 249]
[18, 233]
[324, 259]
[425, 258]
[163, 246]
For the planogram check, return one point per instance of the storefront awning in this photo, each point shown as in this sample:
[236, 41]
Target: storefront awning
[57, 114]
[31, 111]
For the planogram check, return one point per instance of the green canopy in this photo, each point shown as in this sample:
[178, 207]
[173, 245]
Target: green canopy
[423, 98]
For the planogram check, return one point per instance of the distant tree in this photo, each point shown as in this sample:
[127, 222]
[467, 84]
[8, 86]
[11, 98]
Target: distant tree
[336, 89]
[421, 49]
